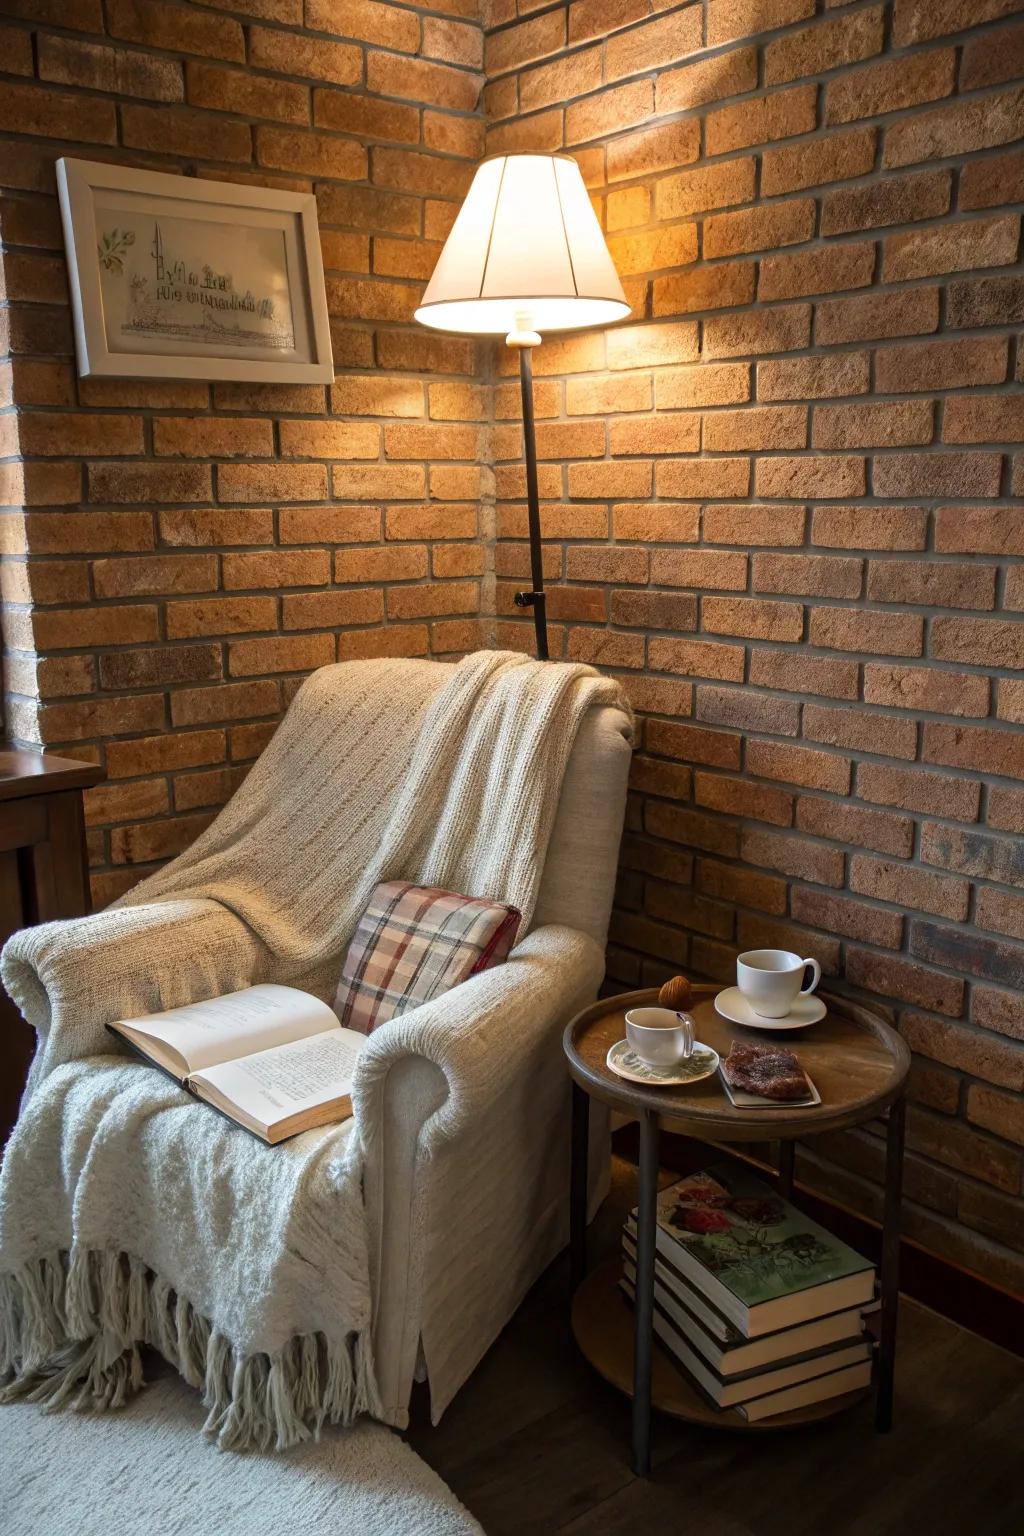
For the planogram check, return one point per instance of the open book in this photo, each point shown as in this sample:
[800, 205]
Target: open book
[274, 1059]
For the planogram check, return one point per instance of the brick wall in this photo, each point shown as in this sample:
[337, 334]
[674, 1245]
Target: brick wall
[178, 555]
[781, 507]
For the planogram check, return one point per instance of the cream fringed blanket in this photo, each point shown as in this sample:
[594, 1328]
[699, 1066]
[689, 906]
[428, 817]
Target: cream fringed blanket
[128, 1213]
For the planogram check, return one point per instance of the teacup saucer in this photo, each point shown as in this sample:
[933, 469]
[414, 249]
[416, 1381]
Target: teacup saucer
[731, 1004]
[624, 1062]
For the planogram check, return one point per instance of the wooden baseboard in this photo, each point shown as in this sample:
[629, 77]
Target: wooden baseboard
[959, 1294]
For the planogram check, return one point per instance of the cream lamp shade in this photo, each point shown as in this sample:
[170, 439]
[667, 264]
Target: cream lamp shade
[525, 253]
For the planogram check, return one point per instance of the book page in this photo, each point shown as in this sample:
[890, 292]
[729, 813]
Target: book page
[276, 1084]
[186, 1040]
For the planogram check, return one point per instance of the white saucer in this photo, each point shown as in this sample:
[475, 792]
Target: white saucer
[731, 1004]
[625, 1063]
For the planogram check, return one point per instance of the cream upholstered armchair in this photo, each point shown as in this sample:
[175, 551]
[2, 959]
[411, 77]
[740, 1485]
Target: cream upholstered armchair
[419, 1235]
[450, 1180]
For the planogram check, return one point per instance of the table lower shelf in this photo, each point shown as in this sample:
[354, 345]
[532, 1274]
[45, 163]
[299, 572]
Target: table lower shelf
[602, 1322]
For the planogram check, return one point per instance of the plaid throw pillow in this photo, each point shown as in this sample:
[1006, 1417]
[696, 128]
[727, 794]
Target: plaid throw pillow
[414, 942]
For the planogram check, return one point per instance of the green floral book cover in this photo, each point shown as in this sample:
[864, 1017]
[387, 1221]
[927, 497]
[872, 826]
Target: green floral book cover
[752, 1241]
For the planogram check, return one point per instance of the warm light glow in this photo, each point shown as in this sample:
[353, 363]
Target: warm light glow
[526, 250]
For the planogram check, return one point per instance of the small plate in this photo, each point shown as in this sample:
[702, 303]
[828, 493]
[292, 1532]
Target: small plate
[732, 1005]
[741, 1100]
[624, 1062]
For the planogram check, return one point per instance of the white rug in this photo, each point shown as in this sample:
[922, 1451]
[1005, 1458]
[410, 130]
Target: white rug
[148, 1468]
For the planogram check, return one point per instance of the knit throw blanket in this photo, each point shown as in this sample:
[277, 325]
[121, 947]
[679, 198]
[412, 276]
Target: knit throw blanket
[130, 1215]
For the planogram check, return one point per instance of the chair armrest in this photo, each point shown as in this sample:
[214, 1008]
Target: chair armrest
[483, 1033]
[72, 978]
[461, 1112]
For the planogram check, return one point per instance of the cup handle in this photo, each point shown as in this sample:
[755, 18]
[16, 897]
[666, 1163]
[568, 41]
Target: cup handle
[816, 968]
[686, 1025]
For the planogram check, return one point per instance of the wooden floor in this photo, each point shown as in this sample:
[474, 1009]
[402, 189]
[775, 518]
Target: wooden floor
[536, 1443]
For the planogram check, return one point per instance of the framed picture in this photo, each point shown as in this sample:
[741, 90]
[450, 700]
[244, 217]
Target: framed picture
[174, 278]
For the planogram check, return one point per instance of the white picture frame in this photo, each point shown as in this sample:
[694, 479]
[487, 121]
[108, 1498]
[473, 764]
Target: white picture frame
[176, 278]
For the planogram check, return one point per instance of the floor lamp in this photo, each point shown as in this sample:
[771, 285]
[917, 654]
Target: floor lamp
[525, 256]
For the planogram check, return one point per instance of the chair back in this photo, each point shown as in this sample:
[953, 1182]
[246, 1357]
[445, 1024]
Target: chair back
[579, 873]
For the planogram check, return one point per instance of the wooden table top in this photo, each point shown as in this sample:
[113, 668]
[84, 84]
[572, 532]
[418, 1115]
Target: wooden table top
[26, 772]
[857, 1062]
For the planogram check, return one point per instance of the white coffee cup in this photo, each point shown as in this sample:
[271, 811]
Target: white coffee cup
[770, 980]
[660, 1037]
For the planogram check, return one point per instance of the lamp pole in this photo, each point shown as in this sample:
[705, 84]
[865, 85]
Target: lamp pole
[524, 339]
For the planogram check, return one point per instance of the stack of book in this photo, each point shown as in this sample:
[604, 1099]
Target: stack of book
[763, 1309]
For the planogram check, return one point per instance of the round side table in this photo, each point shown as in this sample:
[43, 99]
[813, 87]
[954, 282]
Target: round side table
[859, 1066]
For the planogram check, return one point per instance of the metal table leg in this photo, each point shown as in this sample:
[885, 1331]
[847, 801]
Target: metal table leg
[646, 1223]
[787, 1156]
[578, 1188]
[890, 1265]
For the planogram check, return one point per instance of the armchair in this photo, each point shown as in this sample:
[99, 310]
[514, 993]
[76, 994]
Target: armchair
[449, 1097]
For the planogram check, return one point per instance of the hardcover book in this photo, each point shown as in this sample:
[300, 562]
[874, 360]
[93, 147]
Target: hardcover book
[760, 1262]
[273, 1059]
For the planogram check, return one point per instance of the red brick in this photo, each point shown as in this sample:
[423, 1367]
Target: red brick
[757, 331]
[820, 270]
[984, 419]
[813, 475]
[886, 424]
[894, 200]
[656, 522]
[823, 675]
[807, 575]
[714, 568]
[698, 658]
[171, 28]
[890, 86]
[905, 981]
[979, 123]
[830, 44]
[818, 161]
[708, 80]
[752, 617]
[940, 365]
[912, 789]
[938, 474]
[969, 852]
[1000, 912]
[763, 427]
[986, 301]
[861, 730]
[813, 378]
[852, 919]
[951, 248]
[1000, 1011]
[704, 187]
[980, 642]
[739, 797]
[795, 856]
[654, 149]
[704, 288]
[870, 315]
[759, 229]
[930, 689]
[1006, 808]
[943, 895]
[991, 751]
[731, 19]
[693, 743]
[799, 765]
[993, 181]
[945, 585]
[704, 478]
[870, 527]
[977, 955]
[624, 106]
[853, 824]
[742, 887]
[761, 120]
[750, 524]
[745, 710]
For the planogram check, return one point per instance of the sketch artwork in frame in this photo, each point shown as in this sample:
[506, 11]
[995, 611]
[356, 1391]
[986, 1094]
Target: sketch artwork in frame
[175, 278]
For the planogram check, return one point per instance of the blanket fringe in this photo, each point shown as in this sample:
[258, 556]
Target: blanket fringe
[70, 1331]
